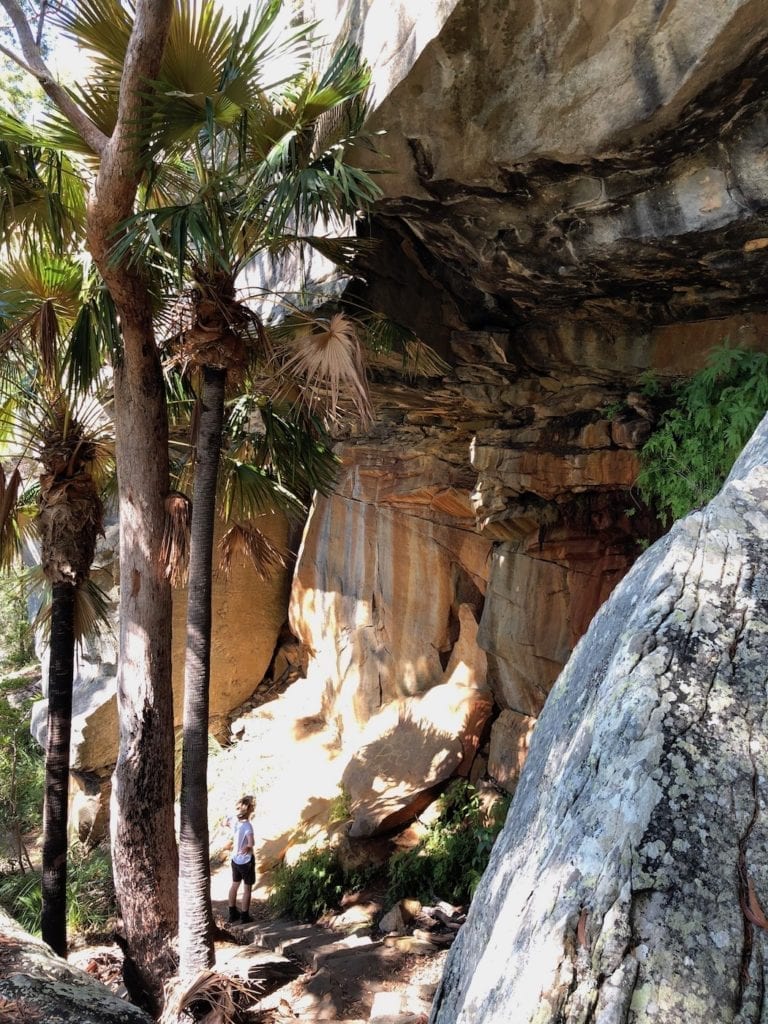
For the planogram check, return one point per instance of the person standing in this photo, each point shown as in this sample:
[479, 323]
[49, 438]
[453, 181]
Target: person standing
[243, 860]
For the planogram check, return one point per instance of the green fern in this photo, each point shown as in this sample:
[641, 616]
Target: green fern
[689, 455]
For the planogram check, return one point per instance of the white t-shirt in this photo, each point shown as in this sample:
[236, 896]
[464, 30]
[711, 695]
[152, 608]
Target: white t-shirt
[242, 837]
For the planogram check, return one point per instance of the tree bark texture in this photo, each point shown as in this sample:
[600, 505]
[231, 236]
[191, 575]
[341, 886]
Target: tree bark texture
[143, 831]
[60, 679]
[143, 839]
[143, 842]
[196, 950]
[628, 881]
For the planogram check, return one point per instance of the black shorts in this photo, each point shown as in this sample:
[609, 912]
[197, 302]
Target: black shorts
[245, 872]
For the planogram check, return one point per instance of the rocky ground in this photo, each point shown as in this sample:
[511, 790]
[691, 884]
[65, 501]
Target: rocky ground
[369, 962]
[343, 968]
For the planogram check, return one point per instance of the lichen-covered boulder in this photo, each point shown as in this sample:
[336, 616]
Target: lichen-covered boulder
[36, 985]
[629, 880]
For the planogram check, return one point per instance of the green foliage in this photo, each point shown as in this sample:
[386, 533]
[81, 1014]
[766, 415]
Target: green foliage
[90, 894]
[310, 887]
[21, 762]
[688, 456]
[450, 861]
[17, 639]
[340, 808]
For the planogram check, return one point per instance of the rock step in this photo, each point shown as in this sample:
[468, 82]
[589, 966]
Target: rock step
[343, 972]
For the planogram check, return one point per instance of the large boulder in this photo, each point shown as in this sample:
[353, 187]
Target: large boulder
[628, 881]
[414, 744]
[38, 986]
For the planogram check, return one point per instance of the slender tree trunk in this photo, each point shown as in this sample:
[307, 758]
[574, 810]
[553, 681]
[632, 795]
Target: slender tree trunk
[60, 677]
[195, 913]
[143, 841]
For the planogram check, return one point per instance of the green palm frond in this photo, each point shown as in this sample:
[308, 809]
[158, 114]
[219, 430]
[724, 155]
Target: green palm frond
[289, 444]
[42, 193]
[103, 27]
[250, 491]
[211, 76]
[95, 336]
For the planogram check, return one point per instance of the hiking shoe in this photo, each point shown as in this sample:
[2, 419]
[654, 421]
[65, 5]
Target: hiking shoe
[245, 917]
[234, 914]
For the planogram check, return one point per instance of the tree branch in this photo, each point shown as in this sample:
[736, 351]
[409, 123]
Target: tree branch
[36, 66]
[120, 167]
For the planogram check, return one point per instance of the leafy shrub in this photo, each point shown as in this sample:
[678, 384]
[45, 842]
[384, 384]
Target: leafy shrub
[22, 768]
[449, 862]
[17, 635]
[310, 887]
[689, 455]
[90, 894]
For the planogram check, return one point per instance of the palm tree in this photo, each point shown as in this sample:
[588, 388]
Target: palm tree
[65, 435]
[243, 161]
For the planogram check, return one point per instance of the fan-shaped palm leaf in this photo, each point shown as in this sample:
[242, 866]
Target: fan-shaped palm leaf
[249, 491]
[42, 195]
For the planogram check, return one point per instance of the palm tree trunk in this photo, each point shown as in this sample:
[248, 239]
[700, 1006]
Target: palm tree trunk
[195, 913]
[60, 678]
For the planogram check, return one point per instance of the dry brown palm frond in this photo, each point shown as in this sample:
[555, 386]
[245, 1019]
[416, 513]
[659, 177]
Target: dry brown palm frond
[48, 337]
[246, 542]
[210, 998]
[329, 358]
[174, 550]
[421, 360]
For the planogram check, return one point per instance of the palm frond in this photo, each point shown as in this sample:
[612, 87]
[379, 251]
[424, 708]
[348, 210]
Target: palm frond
[249, 491]
[421, 360]
[92, 614]
[327, 358]
[42, 194]
[220, 994]
[95, 337]
[289, 444]
[10, 533]
[245, 542]
[174, 550]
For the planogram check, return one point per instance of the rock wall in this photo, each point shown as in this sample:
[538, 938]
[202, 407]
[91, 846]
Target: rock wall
[576, 193]
[488, 513]
[629, 879]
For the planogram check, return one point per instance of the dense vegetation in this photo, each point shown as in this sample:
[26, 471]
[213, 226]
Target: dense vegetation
[709, 419]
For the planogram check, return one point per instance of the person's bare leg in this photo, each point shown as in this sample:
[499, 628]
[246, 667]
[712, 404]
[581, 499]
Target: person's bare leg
[233, 894]
[246, 898]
